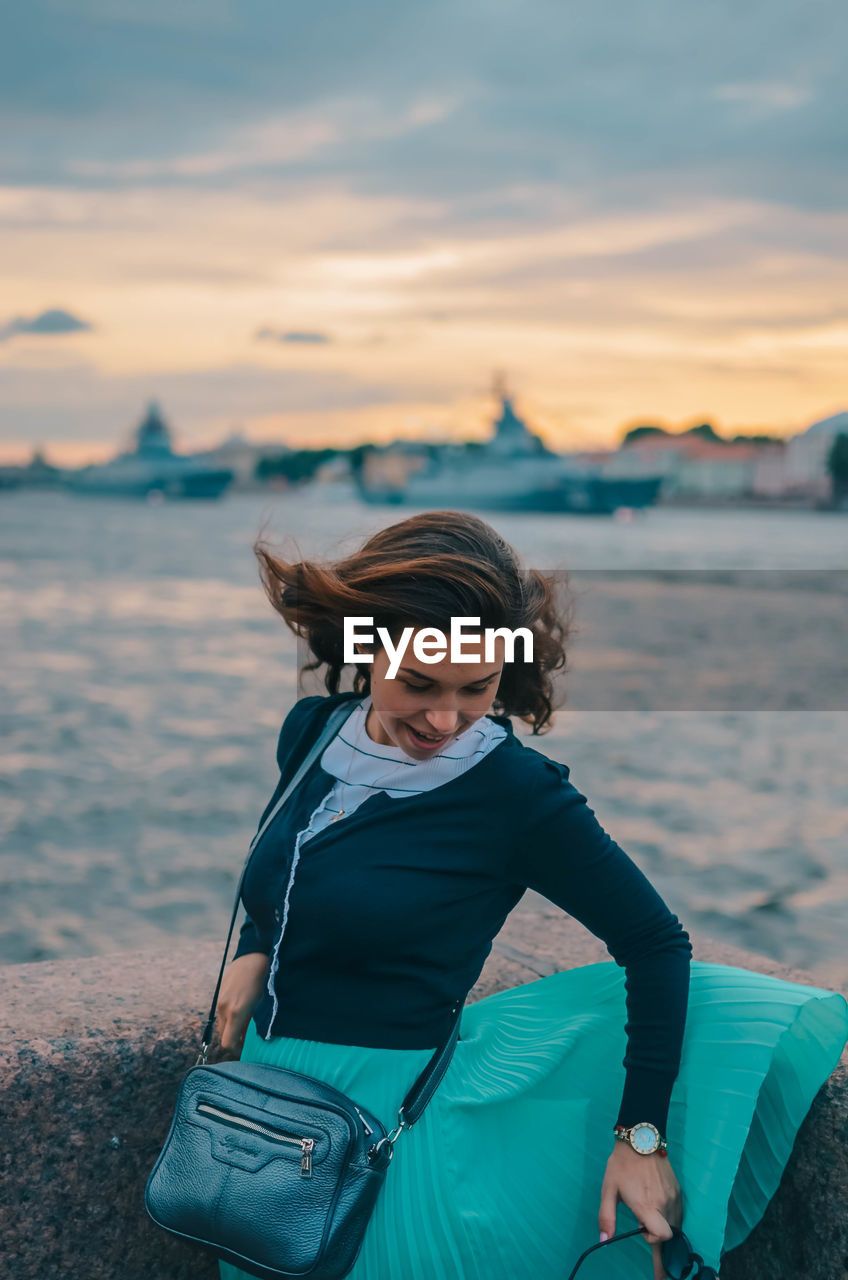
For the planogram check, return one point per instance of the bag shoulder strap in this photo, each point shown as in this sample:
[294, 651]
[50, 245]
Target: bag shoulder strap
[428, 1081]
[431, 1077]
[334, 721]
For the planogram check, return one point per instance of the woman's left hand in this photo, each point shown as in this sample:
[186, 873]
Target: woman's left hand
[649, 1188]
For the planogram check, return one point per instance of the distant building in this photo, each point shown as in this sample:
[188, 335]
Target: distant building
[241, 456]
[38, 473]
[797, 470]
[770, 471]
[690, 466]
[806, 473]
[393, 465]
[792, 470]
[651, 455]
[592, 457]
[717, 470]
[333, 470]
[152, 435]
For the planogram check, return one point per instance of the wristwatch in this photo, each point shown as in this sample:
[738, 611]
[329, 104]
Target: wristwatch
[643, 1137]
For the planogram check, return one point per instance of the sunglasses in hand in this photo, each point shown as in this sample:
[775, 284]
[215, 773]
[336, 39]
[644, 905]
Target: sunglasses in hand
[679, 1259]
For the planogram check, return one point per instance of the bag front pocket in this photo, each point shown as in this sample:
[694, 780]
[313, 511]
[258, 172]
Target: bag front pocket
[249, 1137]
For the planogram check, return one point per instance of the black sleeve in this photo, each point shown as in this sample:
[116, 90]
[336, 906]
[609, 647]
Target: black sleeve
[251, 940]
[564, 853]
[251, 937]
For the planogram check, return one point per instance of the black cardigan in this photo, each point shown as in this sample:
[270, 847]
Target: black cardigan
[393, 910]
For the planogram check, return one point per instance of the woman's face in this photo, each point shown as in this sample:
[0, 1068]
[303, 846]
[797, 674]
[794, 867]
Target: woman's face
[440, 699]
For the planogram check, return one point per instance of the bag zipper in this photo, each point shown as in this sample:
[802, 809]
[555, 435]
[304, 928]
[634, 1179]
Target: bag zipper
[307, 1145]
[366, 1126]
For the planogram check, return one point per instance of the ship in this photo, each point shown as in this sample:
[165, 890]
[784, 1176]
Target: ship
[151, 469]
[512, 471]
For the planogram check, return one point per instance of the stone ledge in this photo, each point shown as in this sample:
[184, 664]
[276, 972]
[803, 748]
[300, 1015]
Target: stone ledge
[92, 1053]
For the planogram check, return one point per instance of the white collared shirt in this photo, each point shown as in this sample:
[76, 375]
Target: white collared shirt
[361, 766]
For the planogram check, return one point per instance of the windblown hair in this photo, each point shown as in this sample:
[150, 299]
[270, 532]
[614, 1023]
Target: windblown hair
[422, 572]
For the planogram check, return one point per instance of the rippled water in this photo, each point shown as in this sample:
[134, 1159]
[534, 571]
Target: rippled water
[145, 678]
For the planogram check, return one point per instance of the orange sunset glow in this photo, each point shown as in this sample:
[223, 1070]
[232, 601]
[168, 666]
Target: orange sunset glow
[329, 267]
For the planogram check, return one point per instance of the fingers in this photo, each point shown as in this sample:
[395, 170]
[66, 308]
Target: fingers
[657, 1229]
[228, 1032]
[606, 1214]
[240, 990]
[230, 1042]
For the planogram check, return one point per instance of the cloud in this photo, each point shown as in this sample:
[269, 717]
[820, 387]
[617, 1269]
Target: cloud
[189, 15]
[265, 144]
[304, 337]
[280, 141]
[48, 323]
[550, 177]
[452, 97]
[759, 100]
[78, 402]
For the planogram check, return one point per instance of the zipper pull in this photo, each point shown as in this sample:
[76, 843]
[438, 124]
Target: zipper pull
[366, 1126]
[306, 1158]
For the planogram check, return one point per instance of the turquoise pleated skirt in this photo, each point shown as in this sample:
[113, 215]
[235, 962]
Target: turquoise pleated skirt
[501, 1177]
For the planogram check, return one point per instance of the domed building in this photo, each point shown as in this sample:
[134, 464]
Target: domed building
[152, 435]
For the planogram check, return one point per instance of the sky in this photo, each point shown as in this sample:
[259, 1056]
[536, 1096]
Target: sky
[336, 222]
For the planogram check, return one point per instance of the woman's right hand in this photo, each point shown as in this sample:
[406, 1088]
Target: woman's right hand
[241, 988]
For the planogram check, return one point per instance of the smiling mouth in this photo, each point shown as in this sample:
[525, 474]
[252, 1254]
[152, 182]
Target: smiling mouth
[428, 739]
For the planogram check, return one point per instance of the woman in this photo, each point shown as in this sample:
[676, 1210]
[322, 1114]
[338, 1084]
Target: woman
[372, 901]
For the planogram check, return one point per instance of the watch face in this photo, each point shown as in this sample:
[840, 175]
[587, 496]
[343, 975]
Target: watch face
[644, 1138]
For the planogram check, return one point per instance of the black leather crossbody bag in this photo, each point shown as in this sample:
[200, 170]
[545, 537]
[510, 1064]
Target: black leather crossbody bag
[275, 1171]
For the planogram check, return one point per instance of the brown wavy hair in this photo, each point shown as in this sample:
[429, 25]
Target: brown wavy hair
[422, 572]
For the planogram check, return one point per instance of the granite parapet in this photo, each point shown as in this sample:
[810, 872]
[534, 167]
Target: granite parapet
[92, 1053]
